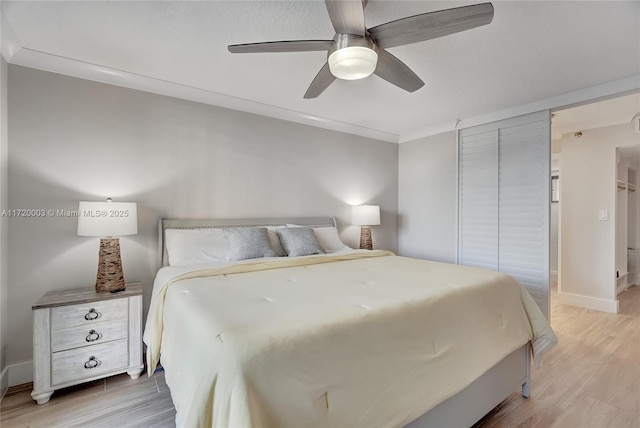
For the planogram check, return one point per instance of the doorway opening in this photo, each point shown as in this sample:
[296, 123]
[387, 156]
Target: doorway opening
[592, 224]
[627, 238]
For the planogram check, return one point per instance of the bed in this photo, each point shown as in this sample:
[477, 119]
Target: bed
[348, 338]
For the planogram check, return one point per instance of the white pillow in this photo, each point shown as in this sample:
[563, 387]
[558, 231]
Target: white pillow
[328, 238]
[192, 246]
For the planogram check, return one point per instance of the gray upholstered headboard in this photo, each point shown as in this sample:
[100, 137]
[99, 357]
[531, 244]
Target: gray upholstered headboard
[163, 224]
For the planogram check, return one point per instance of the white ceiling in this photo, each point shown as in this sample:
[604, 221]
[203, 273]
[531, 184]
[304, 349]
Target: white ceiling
[595, 115]
[531, 51]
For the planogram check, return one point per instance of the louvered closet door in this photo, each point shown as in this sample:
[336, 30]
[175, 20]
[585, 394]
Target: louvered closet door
[515, 212]
[479, 206]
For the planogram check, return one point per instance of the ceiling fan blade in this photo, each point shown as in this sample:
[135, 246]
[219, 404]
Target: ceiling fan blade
[347, 16]
[397, 72]
[321, 82]
[285, 46]
[427, 26]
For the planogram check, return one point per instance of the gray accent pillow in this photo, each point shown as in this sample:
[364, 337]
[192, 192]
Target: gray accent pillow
[299, 241]
[249, 243]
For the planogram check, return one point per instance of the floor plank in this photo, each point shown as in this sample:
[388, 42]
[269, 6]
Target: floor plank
[616, 383]
[587, 413]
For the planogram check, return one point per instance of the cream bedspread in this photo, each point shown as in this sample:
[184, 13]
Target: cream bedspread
[351, 340]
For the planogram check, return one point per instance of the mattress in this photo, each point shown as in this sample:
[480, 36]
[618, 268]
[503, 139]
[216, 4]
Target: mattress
[359, 339]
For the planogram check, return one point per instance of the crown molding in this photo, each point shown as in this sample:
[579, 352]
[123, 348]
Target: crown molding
[448, 126]
[570, 99]
[14, 53]
[588, 95]
[70, 67]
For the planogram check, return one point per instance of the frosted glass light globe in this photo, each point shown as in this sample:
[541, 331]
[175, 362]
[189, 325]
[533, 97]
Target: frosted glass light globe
[352, 63]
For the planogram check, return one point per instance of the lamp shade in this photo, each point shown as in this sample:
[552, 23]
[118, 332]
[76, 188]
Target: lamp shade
[366, 215]
[107, 218]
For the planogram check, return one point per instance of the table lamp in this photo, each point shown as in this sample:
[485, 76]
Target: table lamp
[108, 220]
[366, 216]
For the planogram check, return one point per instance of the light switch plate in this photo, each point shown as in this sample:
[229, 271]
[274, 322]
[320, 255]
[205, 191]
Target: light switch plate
[603, 215]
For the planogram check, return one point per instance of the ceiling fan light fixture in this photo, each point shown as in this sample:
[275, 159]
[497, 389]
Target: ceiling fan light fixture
[353, 62]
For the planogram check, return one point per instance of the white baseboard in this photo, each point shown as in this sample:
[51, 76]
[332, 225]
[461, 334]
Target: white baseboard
[588, 302]
[20, 373]
[4, 382]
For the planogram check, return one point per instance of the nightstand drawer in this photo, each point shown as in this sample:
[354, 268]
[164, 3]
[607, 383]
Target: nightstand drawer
[89, 361]
[88, 335]
[87, 314]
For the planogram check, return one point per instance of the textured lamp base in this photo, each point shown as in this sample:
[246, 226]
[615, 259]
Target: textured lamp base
[110, 277]
[366, 243]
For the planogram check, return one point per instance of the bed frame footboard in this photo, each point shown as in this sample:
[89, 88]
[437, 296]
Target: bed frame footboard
[471, 404]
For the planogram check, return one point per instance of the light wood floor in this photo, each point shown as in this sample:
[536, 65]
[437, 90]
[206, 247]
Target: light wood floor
[114, 402]
[591, 379]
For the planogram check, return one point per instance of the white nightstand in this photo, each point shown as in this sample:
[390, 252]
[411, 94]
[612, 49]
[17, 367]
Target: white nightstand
[80, 335]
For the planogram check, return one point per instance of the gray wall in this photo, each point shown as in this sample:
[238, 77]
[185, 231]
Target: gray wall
[4, 378]
[427, 192]
[73, 140]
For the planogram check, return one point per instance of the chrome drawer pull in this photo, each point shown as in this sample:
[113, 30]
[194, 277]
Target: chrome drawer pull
[92, 315]
[92, 363]
[93, 336]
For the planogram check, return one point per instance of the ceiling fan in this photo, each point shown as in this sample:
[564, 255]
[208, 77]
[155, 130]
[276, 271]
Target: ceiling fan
[357, 52]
